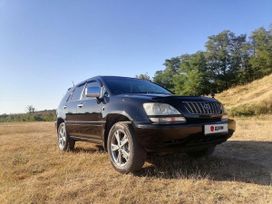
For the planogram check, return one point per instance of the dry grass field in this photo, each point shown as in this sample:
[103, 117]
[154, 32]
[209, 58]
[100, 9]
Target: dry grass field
[32, 170]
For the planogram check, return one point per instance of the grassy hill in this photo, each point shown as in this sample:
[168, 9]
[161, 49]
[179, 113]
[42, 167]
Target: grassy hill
[254, 98]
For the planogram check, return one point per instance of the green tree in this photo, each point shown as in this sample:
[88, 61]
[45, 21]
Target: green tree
[165, 77]
[261, 61]
[193, 77]
[227, 58]
[30, 109]
[143, 77]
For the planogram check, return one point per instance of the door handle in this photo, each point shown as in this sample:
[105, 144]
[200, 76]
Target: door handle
[64, 107]
[80, 105]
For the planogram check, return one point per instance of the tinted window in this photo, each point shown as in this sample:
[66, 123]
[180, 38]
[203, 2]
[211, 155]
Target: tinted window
[77, 93]
[121, 85]
[69, 94]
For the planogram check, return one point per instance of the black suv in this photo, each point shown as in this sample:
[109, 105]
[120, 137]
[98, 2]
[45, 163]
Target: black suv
[131, 117]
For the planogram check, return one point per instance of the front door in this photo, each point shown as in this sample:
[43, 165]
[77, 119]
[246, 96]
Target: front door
[89, 115]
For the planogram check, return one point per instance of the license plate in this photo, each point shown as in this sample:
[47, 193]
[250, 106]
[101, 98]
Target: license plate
[215, 128]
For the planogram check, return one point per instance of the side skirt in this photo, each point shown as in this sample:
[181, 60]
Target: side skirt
[91, 140]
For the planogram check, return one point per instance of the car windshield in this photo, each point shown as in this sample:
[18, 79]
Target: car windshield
[124, 85]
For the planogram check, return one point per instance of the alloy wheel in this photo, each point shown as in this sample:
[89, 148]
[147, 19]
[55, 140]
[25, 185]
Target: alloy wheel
[62, 136]
[120, 148]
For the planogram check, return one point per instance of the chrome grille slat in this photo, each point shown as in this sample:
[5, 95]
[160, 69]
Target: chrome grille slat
[197, 107]
[213, 108]
[188, 106]
[187, 109]
[202, 107]
[194, 107]
[210, 109]
[205, 108]
[217, 107]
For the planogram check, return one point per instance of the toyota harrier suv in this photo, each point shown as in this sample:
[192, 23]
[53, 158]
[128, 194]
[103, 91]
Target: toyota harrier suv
[131, 118]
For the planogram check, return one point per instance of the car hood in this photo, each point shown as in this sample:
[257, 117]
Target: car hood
[166, 97]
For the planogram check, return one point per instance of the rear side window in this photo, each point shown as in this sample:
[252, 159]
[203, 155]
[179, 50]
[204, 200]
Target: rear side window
[77, 93]
[68, 97]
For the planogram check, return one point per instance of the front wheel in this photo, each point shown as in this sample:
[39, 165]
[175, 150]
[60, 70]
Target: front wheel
[65, 143]
[126, 155]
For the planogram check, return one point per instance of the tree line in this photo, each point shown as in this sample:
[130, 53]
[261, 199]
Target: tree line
[31, 115]
[228, 60]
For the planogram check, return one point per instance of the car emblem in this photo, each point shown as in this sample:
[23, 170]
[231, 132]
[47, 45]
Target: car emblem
[207, 106]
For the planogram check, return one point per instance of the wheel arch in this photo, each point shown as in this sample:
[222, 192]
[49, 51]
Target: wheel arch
[58, 122]
[111, 119]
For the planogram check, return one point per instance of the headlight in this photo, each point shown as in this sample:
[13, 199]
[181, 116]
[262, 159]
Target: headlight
[160, 109]
[163, 113]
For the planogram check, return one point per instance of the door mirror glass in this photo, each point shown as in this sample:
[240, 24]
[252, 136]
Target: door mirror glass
[93, 91]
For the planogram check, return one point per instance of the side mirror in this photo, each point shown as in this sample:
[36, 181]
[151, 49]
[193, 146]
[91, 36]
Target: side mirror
[94, 91]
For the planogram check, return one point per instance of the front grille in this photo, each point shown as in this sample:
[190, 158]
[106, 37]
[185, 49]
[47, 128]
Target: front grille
[203, 108]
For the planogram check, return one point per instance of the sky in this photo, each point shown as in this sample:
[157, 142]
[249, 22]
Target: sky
[46, 45]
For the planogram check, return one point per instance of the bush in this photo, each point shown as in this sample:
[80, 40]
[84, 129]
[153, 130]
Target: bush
[251, 109]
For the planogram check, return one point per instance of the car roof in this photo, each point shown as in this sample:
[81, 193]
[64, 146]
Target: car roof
[101, 78]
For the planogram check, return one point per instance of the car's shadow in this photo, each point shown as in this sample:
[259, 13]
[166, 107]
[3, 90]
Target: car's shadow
[245, 161]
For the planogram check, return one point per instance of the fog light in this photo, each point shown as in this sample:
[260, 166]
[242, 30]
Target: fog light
[168, 119]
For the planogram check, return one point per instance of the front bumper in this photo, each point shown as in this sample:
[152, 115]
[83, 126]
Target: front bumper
[180, 137]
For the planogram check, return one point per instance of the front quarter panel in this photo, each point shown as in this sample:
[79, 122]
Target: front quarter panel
[131, 108]
[61, 110]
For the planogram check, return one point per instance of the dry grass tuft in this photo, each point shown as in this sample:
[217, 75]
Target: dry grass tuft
[32, 170]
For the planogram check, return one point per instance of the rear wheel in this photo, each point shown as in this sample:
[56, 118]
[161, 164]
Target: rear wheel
[126, 155]
[201, 153]
[65, 143]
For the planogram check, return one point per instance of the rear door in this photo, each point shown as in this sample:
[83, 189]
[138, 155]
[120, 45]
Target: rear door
[89, 116]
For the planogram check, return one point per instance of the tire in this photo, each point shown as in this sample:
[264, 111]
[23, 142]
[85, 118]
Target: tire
[126, 155]
[65, 143]
[201, 153]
